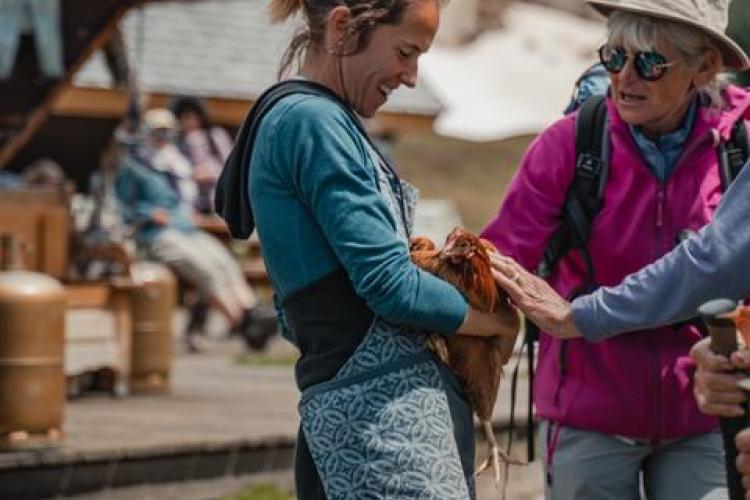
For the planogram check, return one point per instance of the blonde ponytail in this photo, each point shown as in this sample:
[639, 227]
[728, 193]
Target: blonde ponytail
[281, 10]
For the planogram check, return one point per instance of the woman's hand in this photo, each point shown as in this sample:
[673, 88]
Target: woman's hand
[715, 386]
[534, 297]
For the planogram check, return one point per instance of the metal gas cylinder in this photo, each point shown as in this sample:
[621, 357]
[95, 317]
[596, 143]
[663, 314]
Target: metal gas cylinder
[32, 380]
[152, 305]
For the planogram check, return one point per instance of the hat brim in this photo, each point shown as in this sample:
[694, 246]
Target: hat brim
[732, 54]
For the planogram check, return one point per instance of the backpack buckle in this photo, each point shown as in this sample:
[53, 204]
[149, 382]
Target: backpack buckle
[589, 165]
[736, 157]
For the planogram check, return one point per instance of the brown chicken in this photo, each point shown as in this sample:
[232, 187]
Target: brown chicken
[476, 361]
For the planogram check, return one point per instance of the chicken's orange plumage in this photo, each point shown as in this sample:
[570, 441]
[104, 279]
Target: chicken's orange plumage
[477, 361]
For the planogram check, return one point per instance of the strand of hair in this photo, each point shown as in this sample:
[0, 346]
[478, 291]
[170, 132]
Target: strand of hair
[281, 10]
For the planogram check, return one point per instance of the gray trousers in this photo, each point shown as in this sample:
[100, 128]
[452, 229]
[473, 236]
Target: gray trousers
[205, 263]
[592, 466]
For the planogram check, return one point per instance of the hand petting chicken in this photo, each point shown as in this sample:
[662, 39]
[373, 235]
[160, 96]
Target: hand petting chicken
[476, 361]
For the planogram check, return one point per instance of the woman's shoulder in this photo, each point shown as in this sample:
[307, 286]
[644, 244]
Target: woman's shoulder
[563, 126]
[298, 111]
[557, 137]
[736, 106]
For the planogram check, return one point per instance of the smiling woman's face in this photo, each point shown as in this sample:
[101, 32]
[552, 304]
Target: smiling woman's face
[390, 57]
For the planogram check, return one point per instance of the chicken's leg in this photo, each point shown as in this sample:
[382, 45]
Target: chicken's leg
[495, 453]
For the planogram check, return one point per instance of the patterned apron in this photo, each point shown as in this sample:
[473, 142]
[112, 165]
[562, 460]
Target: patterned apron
[382, 427]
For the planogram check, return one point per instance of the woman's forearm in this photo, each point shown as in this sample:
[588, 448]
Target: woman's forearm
[710, 265]
[481, 324]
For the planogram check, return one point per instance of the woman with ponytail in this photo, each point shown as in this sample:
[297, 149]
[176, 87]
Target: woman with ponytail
[380, 417]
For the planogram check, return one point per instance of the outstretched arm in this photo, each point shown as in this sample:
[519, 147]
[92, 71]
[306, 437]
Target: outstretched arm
[707, 266]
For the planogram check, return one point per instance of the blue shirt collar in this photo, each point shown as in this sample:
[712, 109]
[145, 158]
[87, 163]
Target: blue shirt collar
[661, 155]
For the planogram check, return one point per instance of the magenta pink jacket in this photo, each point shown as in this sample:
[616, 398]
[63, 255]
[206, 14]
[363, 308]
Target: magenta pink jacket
[637, 384]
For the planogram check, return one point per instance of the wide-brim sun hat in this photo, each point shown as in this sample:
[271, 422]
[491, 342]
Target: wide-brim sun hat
[708, 16]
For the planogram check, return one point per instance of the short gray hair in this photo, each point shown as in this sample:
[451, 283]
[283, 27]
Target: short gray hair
[644, 33]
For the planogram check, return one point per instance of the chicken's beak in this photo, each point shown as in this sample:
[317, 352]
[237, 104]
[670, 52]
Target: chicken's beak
[449, 250]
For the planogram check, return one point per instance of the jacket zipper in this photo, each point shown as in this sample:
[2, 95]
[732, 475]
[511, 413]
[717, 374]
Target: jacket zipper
[661, 196]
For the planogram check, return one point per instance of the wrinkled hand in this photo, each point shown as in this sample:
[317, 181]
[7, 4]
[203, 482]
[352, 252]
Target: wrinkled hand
[534, 297]
[715, 387]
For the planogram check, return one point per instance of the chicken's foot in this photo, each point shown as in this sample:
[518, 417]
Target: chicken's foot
[495, 454]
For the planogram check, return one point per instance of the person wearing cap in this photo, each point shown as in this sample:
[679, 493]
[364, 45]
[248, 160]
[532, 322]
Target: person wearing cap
[617, 411]
[159, 127]
[155, 190]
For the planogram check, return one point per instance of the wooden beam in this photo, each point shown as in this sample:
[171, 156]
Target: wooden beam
[91, 103]
[112, 104]
[37, 117]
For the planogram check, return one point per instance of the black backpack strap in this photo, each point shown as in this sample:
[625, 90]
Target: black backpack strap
[583, 200]
[733, 154]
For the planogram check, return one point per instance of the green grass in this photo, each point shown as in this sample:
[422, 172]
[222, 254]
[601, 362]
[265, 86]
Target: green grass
[474, 175]
[282, 360]
[262, 491]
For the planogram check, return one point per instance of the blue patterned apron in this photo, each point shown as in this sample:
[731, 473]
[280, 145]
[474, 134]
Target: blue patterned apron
[382, 427]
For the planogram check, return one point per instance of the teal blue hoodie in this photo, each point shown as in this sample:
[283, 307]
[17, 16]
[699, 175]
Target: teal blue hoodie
[315, 198]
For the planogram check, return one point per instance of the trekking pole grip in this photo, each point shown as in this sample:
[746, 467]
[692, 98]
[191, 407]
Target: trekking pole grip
[723, 333]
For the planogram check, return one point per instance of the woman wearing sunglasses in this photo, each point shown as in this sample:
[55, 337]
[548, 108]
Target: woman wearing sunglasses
[617, 413]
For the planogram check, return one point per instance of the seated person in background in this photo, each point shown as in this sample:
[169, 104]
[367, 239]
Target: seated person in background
[161, 125]
[149, 186]
[206, 147]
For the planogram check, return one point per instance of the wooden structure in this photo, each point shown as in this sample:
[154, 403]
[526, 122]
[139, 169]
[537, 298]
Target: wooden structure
[172, 49]
[28, 116]
[86, 26]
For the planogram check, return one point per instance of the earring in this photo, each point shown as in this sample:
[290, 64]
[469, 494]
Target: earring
[338, 48]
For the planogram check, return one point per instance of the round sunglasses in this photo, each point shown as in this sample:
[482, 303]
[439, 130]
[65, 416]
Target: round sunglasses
[650, 65]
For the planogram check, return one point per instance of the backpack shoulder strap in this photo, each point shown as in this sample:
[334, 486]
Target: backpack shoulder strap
[583, 200]
[733, 154]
